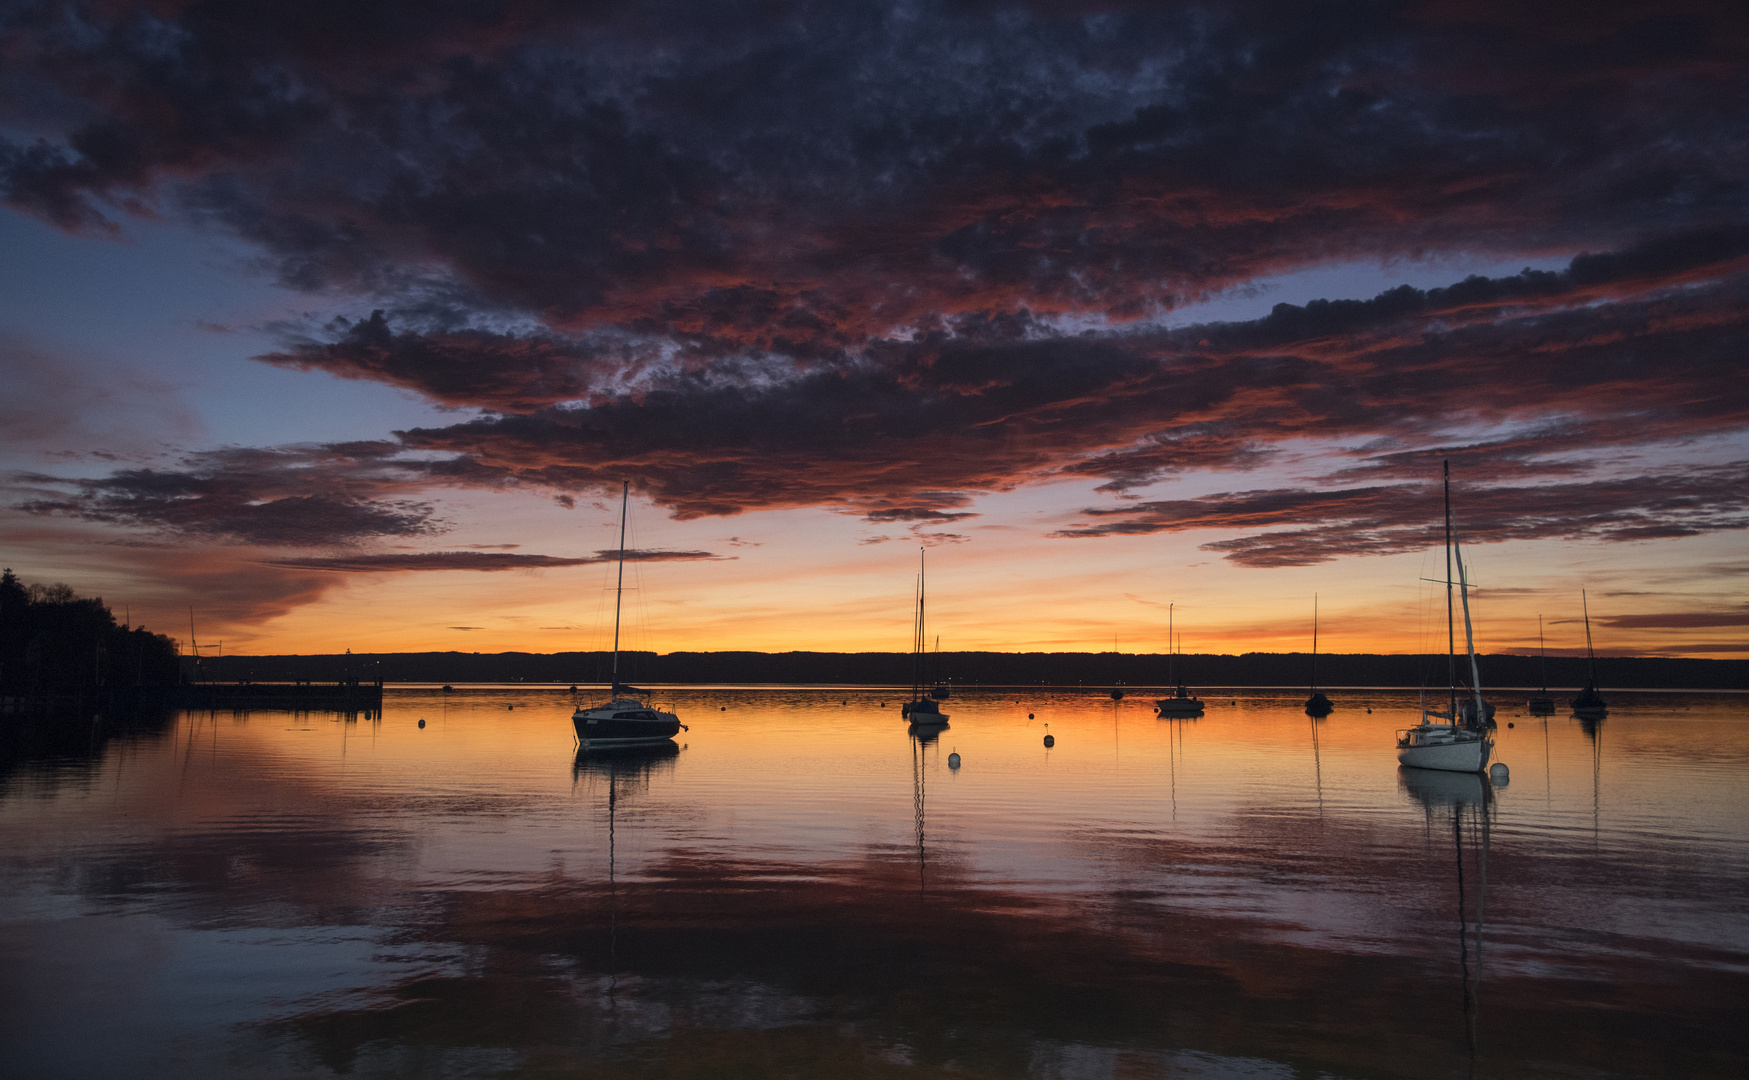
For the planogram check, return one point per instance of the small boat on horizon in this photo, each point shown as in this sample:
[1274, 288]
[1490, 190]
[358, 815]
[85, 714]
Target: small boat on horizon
[624, 720]
[1589, 705]
[1181, 704]
[1317, 705]
[1460, 743]
[922, 710]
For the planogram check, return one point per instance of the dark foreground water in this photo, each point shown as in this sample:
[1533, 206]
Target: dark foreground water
[803, 890]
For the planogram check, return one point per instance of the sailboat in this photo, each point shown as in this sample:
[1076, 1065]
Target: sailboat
[1541, 704]
[1460, 741]
[624, 719]
[1317, 704]
[1180, 703]
[921, 710]
[1589, 705]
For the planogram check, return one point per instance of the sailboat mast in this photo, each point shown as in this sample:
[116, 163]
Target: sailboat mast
[1314, 643]
[1470, 638]
[1590, 657]
[1542, 652]
[917, 636]
[1171, 654]
[1450, 632]
[625, 493]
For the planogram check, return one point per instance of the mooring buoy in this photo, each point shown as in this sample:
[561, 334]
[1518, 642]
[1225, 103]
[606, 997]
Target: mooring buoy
[1050, 740]
[1029, 716]
[1499, 773]
[953, 760]
[421, 721]
[1510, 724]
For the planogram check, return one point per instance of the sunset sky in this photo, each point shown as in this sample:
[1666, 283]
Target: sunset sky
[342, 323]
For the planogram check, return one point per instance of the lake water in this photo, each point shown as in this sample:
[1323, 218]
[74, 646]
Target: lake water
[802, 889]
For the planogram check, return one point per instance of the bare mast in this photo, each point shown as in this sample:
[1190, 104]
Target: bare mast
[1450, 631]
[625, 493]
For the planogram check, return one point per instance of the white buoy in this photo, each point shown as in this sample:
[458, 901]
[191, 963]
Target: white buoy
[1499, 773]
[953, 760]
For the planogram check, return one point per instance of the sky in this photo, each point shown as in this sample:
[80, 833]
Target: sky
[336, 325]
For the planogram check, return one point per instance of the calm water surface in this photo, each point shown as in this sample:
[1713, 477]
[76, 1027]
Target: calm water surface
[802, 889]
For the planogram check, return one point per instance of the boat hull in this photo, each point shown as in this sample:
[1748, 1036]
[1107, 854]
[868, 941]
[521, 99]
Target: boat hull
[1540, 706]
[1466, 755]
[1319, 705]
[609, 727]
[922, 713]
[1179, 706]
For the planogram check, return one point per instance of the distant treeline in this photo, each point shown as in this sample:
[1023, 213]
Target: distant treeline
[975, 668]
[55, 644]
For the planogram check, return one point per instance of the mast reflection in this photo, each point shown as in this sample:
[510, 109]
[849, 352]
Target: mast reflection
[921, 739]
[623, 768]
[1468, 801]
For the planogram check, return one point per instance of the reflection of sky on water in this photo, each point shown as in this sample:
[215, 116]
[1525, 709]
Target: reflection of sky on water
[1213, 897]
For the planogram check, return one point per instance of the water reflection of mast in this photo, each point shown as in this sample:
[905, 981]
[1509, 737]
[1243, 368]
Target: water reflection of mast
[1317, 767]
[1462, 793]
[1593, 729]
[636, 764]
[918, 764]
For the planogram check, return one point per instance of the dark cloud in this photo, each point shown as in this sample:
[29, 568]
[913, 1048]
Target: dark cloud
[292, 497]
[1678, 620]
[883, 259]
[479, 560]
[823, 173]
[1382, 520]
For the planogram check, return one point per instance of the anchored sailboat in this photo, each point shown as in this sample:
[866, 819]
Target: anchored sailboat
[1541, 704]
[1317, 704]
[921, 710]
[1589, 705]
[1180, 703]
[624, 719]
[1460, 742]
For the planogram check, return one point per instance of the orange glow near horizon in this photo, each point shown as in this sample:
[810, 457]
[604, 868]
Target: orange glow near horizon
[809, 581]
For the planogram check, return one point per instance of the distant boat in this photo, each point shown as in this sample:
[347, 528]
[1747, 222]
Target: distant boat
[624, 719]
[942, 690]
[1180, 704]
[1461, 743]
[1317, 704]
[921, 710]
[1589, 705]
[1541, 704]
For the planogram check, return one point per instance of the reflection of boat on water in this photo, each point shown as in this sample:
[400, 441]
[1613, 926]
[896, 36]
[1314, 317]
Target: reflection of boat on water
[624, 719]
[1460, 743]
[1589, 705]
[625, 762]
[621, 767]
[1317, 705]
[1469, 800]
[1181, 703]
[920, 740]
[1541, 704]
[921, 710]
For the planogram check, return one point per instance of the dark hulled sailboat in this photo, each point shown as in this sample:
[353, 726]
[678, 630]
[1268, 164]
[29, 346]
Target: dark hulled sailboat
[1589, 705]
[624, 719]
[922, 710]
[1317, 705]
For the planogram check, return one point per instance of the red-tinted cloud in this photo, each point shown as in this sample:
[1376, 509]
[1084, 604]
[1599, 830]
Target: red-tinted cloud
[479, 560]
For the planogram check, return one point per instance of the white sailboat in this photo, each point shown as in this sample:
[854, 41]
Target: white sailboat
[624, 719]
[1456, 740]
